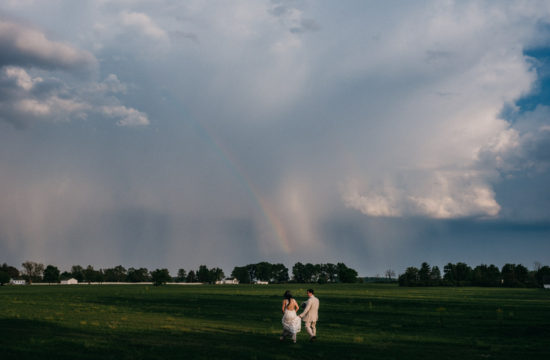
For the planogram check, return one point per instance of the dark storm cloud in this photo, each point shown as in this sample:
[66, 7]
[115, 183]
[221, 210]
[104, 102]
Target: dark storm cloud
[28, 47]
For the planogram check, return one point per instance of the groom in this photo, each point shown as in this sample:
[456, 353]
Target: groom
[310, 314]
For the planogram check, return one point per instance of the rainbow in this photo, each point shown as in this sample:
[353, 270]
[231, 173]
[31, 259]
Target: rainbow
[267, 211]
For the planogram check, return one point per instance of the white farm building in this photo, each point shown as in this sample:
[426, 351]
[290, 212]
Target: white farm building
[232, 281]
[18, 282]
[71, 281]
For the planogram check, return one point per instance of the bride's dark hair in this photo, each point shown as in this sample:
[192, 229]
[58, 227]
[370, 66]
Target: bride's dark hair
[288, 296]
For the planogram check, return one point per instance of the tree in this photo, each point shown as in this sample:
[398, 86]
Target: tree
[90, 274]
[508, 273]
[216, 274]
[12, 272]
[312, 272]
[463, 272]
[203, 274]
[160, 277]
[77, 272]
[410, 277]
[51, 274]
[4, 278]
[424, 274]
[299, 272]
[435, 275]
[191, 277]
[137, 275]
[33, 271]
[457, 274]
[521, 273]
[390, 274]
[543, 275]
[279, 273]
[264, 271]
[181, 275]
[484, 275]
[449, 271]
[116, 274]
[332, 272]
[346, 274]
[241, 273]
[251, 268]
[493, 276]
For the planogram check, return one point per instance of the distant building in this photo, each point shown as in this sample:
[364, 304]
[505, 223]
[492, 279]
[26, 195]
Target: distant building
[260, 282]
[547, 286]
[17, 282]
[232, 281]
[71, 281]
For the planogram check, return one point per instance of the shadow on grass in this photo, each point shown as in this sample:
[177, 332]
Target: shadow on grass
[27, 339]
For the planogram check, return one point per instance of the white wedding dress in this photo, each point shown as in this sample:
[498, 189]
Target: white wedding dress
[291, 322]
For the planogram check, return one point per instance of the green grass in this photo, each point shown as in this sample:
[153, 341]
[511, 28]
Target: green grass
[362, 321]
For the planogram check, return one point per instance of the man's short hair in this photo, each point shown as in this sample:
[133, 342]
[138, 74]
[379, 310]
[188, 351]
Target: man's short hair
[310, 291]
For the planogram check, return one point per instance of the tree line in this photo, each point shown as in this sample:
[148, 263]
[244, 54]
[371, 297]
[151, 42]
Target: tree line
[263, 271]
[301, 273]
[36, 272]
[460, 274]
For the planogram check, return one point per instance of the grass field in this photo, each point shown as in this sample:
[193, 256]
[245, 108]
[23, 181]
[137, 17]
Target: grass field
[360, 321]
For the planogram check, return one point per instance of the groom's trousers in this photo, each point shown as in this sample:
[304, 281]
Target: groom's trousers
[310, 328]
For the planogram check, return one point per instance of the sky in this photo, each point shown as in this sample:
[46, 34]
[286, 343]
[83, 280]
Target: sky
[173, 134]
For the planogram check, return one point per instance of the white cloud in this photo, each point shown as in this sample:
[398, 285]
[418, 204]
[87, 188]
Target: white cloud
[111, 84]
[382, 201]
[33, 107]
[127, 116]
[24, 104]
[52, 108]
[22, 78]
[144, 24]
[438, 194]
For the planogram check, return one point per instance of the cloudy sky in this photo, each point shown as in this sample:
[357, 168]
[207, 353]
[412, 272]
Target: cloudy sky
[173, 134]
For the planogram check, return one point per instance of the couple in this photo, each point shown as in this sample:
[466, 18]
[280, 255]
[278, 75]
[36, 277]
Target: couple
[292, 323]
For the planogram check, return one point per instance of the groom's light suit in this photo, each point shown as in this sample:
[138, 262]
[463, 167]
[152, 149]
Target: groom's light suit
[310, 315]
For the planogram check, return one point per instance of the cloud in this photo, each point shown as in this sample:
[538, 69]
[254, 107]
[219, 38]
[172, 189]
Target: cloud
[127, 116]
[25, 46]
[111, 84]
[27, 99]
[21, 77]
[439, 195]
[52, 96]
[30, 99]
[143, 23]
[291, 16]
[532, 139]
[183, 35]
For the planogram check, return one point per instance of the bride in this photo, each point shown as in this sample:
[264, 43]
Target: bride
[292, 323]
